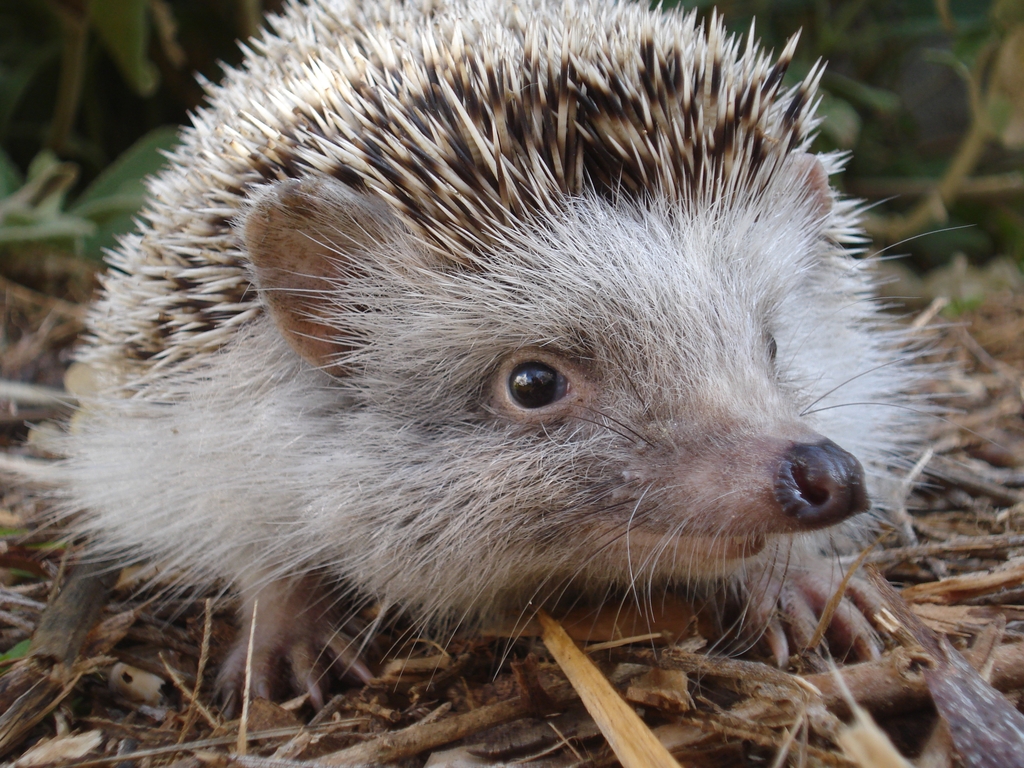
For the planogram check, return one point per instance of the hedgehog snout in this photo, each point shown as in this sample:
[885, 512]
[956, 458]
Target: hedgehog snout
[820, 484]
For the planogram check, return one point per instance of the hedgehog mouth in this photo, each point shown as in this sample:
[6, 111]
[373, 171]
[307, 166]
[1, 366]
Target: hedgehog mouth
[724, 548]
[707, 549]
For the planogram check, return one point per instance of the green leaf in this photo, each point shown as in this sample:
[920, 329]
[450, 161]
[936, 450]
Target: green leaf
[16, 652]
[113, 199]
[42, 164]
[861, 94]
[53, 228]
[949, 59]
[124, 177]
[35, 210]
[123, 27]
[48, 181]
[104, 207]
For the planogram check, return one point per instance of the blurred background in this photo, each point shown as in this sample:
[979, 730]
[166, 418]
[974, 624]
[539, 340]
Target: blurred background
[927, 96]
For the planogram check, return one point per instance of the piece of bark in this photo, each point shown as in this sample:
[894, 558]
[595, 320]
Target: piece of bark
[40, 681]
[987, 731]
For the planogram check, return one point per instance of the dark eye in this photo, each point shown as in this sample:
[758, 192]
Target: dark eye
[534, 385]
[773, 349]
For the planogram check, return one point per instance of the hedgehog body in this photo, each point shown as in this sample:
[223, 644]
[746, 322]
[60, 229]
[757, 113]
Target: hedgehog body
[457, 306]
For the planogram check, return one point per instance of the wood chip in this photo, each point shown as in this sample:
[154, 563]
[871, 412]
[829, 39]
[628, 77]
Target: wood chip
[956, 588]
[662, 688]
[60, 750]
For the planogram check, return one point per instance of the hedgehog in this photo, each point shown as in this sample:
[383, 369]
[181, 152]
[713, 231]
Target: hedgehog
[462, 308]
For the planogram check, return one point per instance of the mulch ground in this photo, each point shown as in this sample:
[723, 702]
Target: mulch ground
[111, 679]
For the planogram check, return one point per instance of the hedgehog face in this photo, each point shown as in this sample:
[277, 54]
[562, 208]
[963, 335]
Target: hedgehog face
[620, 389]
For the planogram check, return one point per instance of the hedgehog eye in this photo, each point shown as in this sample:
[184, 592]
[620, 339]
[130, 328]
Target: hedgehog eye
[773, 348]
[534, 385]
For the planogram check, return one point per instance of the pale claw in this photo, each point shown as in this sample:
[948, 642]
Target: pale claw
[786, 608]
[295, 647]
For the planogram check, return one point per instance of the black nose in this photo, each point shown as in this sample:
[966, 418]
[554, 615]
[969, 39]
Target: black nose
[820, 484]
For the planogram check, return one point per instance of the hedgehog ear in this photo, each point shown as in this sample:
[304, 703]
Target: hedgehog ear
[810, 172]
[304, 236]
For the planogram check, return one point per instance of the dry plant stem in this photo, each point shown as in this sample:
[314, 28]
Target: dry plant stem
[996, 185]
[10, 597]
[938, 304]
[1012, 376]
[787, 743]
[253, 761]
[890, 687]
[28, 694]
[72, 70]
[884, 687]
[975, 545]
[243, 723]
[966, 585]
[627, 735]
[195, 705]
[833, 602]
[190, 697]
[16, 621]
[250, 17]
[34, 394]
[903, 521]
[420, 737]
[195, 747]
[26, 467]
[900, 516]
[933, 208]
[562, 742]
[58, 580]
[26, 295]
[948, 22]
[167, 33]
[949, 472]
[680, 736]
[867, 745]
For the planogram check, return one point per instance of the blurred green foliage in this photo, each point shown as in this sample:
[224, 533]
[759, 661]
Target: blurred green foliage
[906, 84]
[91, 92]
[924, 94]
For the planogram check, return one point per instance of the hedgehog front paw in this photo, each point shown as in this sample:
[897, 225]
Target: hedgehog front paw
[788, 604]
[296, 646]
